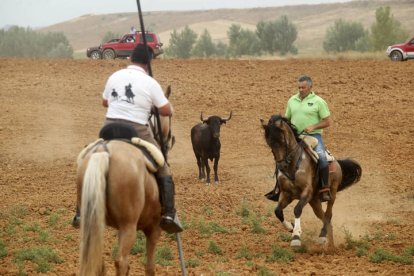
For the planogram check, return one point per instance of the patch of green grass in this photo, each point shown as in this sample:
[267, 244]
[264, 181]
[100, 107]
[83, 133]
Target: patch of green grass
[214, 248]
[244, 253]
[43, 235]
[18, 211]
[350, 243]
[163, 256]
[43, 257]
[192, 263]
[3, 249]
[264, 271]
[279, 254]
[381, 255]
[210, 228]
[285, 237]
[139, 245]
[53, 220]
[409, 251]
[244, 210]
[256, 225]
[207, 211]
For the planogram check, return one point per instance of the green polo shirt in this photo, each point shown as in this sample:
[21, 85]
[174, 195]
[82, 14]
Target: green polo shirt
[309, 111]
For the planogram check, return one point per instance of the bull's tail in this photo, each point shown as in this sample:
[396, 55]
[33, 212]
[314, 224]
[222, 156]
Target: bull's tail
[351, 173]
[93, 214]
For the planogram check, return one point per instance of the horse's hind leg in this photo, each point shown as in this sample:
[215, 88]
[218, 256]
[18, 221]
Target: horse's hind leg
[317, 209]
[327, 224]
[152, 237]
[126, 239]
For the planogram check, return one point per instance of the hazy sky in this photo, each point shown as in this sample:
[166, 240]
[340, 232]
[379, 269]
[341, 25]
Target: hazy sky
[41, 13]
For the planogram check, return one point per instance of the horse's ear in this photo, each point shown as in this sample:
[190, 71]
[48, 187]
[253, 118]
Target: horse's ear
[168, 91]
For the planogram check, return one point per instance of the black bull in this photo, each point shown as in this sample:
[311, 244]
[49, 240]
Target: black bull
[205, 138]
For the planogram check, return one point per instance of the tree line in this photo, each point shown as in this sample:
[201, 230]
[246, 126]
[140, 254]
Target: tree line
[269, 38]
[25, 42]
[272, 37]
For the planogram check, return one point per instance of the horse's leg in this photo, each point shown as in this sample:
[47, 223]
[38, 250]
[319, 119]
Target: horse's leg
[216, 160]
[152, 237]
[297, 230]
[207, 166]
[282, 203]
[316, 205]
[126, 239]
[327, 224]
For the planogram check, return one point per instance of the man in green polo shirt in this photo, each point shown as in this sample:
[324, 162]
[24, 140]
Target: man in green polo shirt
[310, 114]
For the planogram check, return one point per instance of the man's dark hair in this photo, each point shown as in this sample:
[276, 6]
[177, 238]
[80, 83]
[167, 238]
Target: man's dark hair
[139, 55]
[305, 78]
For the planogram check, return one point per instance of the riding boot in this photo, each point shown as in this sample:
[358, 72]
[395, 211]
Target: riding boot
[274, 194]
[325, 191]
[169, 220]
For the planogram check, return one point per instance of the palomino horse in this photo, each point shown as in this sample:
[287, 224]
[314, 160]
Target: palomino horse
[297, 177]
[116, 186]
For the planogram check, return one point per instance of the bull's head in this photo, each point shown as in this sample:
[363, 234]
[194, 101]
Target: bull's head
[214, 123]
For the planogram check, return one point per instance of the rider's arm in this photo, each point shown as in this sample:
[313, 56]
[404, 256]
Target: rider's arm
[325, 122]
[166, 110]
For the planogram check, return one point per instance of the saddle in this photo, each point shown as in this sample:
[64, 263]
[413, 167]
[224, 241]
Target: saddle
[311, 143]
[154, 158]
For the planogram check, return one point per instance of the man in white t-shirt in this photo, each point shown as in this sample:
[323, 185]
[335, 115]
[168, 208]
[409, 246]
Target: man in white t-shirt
[129, 95]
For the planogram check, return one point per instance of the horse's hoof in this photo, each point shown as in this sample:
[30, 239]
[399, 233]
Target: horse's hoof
[296, 243]
[216, 182]
[322, 240]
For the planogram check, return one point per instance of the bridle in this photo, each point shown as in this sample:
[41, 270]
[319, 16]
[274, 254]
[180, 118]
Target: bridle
[284, 163]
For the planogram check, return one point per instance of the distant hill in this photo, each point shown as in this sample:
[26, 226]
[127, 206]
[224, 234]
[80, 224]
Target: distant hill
[311, 21]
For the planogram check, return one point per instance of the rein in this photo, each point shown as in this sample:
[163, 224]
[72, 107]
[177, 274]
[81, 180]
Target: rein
[284, 164]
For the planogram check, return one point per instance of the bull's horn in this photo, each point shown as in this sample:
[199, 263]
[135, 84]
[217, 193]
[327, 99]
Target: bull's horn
[201, 117]
[231, 112]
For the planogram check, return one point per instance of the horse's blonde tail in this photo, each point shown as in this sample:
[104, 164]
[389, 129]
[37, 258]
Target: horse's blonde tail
[93, 214]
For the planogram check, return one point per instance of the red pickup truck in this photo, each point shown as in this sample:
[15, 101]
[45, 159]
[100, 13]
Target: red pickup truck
[400, 52]
[123, 47]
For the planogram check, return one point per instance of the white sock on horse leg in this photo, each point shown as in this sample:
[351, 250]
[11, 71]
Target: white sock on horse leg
[297, 230]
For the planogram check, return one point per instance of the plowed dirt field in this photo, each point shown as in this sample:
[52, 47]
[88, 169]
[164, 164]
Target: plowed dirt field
[50, 109]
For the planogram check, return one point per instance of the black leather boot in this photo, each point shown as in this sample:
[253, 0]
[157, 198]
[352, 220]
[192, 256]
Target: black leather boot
[325, 191]
[169, 220]
[274, 194]
[76, 219]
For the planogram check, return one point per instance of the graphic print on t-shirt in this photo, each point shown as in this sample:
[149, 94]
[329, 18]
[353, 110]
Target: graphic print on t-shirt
[114, 94]
[128, 94]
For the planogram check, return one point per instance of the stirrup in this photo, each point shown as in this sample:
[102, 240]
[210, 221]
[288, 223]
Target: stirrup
[325, 194]
[171, 225]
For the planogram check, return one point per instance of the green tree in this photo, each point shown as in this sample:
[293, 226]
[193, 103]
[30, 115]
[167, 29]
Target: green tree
[21, 42]
[344, 36]
[181, 43]
[277, 36]
[386, 30]
[242, 42]
[204, 46]
[110, 35]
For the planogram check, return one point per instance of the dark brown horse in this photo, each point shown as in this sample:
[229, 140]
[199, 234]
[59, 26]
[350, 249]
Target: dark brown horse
[297, 177]
[116, 187]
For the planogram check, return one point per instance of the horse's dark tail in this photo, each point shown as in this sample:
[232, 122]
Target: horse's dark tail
[351, 173]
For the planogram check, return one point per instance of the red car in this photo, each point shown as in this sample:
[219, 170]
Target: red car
[123, 47]
[404, 51]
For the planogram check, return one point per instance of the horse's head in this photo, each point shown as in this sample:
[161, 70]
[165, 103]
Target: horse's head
[279, 132]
